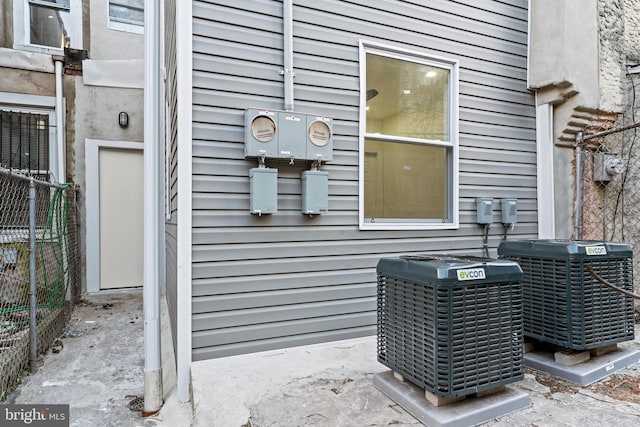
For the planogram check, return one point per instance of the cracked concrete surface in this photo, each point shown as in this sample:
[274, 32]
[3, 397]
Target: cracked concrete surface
[330, 385]
[101, 363]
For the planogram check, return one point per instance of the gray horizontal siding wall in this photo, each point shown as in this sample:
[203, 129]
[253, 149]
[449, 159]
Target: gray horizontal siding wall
[171, 238]
[283, 280]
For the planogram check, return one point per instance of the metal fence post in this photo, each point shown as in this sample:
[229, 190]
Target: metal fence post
[33, 344]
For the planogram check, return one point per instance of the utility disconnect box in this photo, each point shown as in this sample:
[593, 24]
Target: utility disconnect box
[484, 210]
[315, 192]
[509, 214]
[263, 189]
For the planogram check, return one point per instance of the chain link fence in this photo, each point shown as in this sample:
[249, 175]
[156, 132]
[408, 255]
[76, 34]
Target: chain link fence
[39, 271]
[611, 177]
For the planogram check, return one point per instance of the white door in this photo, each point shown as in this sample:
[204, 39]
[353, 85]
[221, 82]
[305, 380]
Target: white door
[114, 215]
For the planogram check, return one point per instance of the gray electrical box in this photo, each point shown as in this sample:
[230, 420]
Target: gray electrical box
[484, 210]
[292, 129]
[260, 133]
[315, 192]
[606, 166]
[319, 138]
[509, 211]
[263, 191]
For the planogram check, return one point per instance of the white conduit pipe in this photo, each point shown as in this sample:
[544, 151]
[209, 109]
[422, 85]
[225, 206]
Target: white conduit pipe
[287, 34]
[153, 393]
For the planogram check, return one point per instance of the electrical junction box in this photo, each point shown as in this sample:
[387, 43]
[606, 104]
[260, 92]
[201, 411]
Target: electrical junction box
[292, 128]
[261, 133]
[484, 210]
[319, 138]
[315, 192]
[287, 135]
[263, 191]
[606, 166]
[509, 211]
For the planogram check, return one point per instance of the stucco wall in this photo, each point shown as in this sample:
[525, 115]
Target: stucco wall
[107, 43]
[632, 30]
[27, 82]
[564, 47]
[612, 55]
[580, 52]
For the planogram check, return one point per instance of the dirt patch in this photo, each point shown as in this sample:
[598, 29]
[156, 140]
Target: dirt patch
[555, 384]
[616, 386]
[619, 387]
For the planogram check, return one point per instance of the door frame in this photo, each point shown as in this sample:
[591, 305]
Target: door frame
[92, 204]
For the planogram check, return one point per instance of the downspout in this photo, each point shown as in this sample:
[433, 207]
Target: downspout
[61, 149]
[153, 394]
[287, 34]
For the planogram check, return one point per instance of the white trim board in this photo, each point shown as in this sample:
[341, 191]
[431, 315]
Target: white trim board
[184, 77]
[544, 153]
[92, 203]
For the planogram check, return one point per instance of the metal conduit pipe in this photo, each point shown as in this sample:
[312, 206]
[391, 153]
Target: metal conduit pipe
[579, 184]
[287, 34]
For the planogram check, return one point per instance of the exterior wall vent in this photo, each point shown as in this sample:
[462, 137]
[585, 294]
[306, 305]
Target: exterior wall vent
[451, 325]
[563, 303]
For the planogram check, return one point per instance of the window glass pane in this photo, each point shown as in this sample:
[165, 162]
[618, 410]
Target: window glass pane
[127, 11]
[50, 26]
[405, 181]
[406, 98]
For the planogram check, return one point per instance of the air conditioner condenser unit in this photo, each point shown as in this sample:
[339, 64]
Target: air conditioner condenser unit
[451, 325]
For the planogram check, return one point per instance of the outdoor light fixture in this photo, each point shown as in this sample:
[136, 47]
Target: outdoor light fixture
[123, 119]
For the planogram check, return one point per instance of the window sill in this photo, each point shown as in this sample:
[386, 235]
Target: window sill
[39, 49]
[129, 28]
[408, 226]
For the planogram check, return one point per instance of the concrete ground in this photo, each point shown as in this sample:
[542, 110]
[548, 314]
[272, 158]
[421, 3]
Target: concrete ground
[331, 385]
[99, 369]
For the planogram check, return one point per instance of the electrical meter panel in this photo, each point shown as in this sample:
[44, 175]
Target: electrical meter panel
[291, 128]
[319, 138]
[287, 135]
[261, 133]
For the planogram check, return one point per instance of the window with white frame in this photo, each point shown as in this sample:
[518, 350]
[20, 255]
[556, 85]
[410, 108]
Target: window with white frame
[127, 15]
[409, 140]
[47, 26]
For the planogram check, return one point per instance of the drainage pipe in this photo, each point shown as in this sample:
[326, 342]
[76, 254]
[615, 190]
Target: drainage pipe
[61, 149]
[153, 394]
[287, 34]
